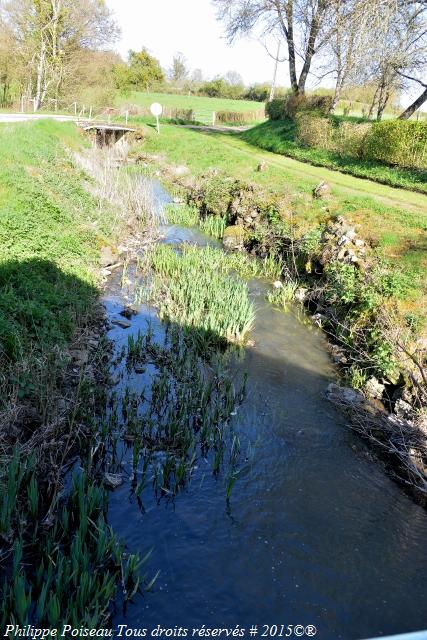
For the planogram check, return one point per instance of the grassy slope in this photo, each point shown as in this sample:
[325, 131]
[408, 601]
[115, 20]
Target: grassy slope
[189, 102]
[394, 219]
[279, 137]
[47, 243]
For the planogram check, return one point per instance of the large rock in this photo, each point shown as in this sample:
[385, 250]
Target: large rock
[344, 395]
[108, 256]
[233, 237]
[323, 190]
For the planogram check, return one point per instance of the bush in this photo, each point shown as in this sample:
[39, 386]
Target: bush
[398, 143]
[314, 132]
[238, 117]
[350, 138]
[185, 115]
[291, 105]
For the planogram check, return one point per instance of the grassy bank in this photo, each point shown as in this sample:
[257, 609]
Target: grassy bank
[280, 137]
[48, 246]
[61, 562]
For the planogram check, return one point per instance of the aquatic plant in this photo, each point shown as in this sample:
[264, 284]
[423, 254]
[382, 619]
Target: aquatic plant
[284, 294]
[80, 561]
[194, 287]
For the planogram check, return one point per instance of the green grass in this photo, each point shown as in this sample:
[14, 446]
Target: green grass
[393, 220]
[48, 247]
[279, 137]
[189, 102]
[48, 242]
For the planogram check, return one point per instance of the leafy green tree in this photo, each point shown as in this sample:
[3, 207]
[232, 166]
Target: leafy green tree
[143, 71]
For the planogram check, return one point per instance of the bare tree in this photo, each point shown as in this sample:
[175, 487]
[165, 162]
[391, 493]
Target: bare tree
[303, 24]
[417, 103]
[179, 70]
[49, 34]
[400, 54]
[355, 31]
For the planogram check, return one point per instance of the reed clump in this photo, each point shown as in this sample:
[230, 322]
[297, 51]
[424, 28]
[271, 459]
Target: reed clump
[195, 287]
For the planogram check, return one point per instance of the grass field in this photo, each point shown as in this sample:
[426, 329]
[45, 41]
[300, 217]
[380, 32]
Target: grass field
[393, 220]
[279, 136]
[189, 102]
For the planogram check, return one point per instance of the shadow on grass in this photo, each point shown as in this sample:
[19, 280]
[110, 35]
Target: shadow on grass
[40, 307]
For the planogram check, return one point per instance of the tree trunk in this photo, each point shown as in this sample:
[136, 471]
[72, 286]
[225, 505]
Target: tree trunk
[314, 32]
[382, 103]
[273, 82]
[40, 76]
[414, 106]
[373, 103]
[291, 46]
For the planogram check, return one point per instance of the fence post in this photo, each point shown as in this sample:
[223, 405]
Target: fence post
[75, 108]
[90, 113]
[213, 118]
[127, 117]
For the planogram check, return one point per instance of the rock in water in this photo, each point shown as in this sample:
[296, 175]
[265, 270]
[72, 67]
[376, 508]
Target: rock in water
[344, 395]
[233, 237]
[108, 256]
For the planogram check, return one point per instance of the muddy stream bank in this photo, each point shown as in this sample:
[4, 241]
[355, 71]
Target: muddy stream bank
[315, 531]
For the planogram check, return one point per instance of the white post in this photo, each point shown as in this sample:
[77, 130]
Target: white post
[90, 113]
[213, 118]
[22, 104]
[34, 105]
[75, 108]
[127, 117]
[158, 124]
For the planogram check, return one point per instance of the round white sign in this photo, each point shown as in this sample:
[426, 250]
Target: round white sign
[156, 109]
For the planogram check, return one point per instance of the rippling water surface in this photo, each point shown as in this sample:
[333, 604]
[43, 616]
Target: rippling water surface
[316, 533]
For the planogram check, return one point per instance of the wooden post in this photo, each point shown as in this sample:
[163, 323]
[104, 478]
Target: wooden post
[90, 113]
[75, 108]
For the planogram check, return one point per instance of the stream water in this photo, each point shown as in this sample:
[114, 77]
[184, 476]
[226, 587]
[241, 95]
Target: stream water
[315, 532]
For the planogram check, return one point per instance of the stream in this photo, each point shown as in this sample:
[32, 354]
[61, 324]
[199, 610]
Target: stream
[315, 532]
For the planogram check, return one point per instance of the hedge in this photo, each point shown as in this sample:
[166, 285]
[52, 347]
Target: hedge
[290, 105]
[399, 143]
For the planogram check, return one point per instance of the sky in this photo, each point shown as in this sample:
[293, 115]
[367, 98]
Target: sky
[165, 27]
[190, 26]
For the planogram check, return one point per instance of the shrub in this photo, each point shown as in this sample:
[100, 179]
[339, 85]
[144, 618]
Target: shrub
[186, 115]
[235, 117]
[314, 132]
[398, 142]
[292, 104]
[350, 138]
[275, 109]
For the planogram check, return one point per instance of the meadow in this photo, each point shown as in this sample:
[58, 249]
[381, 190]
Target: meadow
[177, 101]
